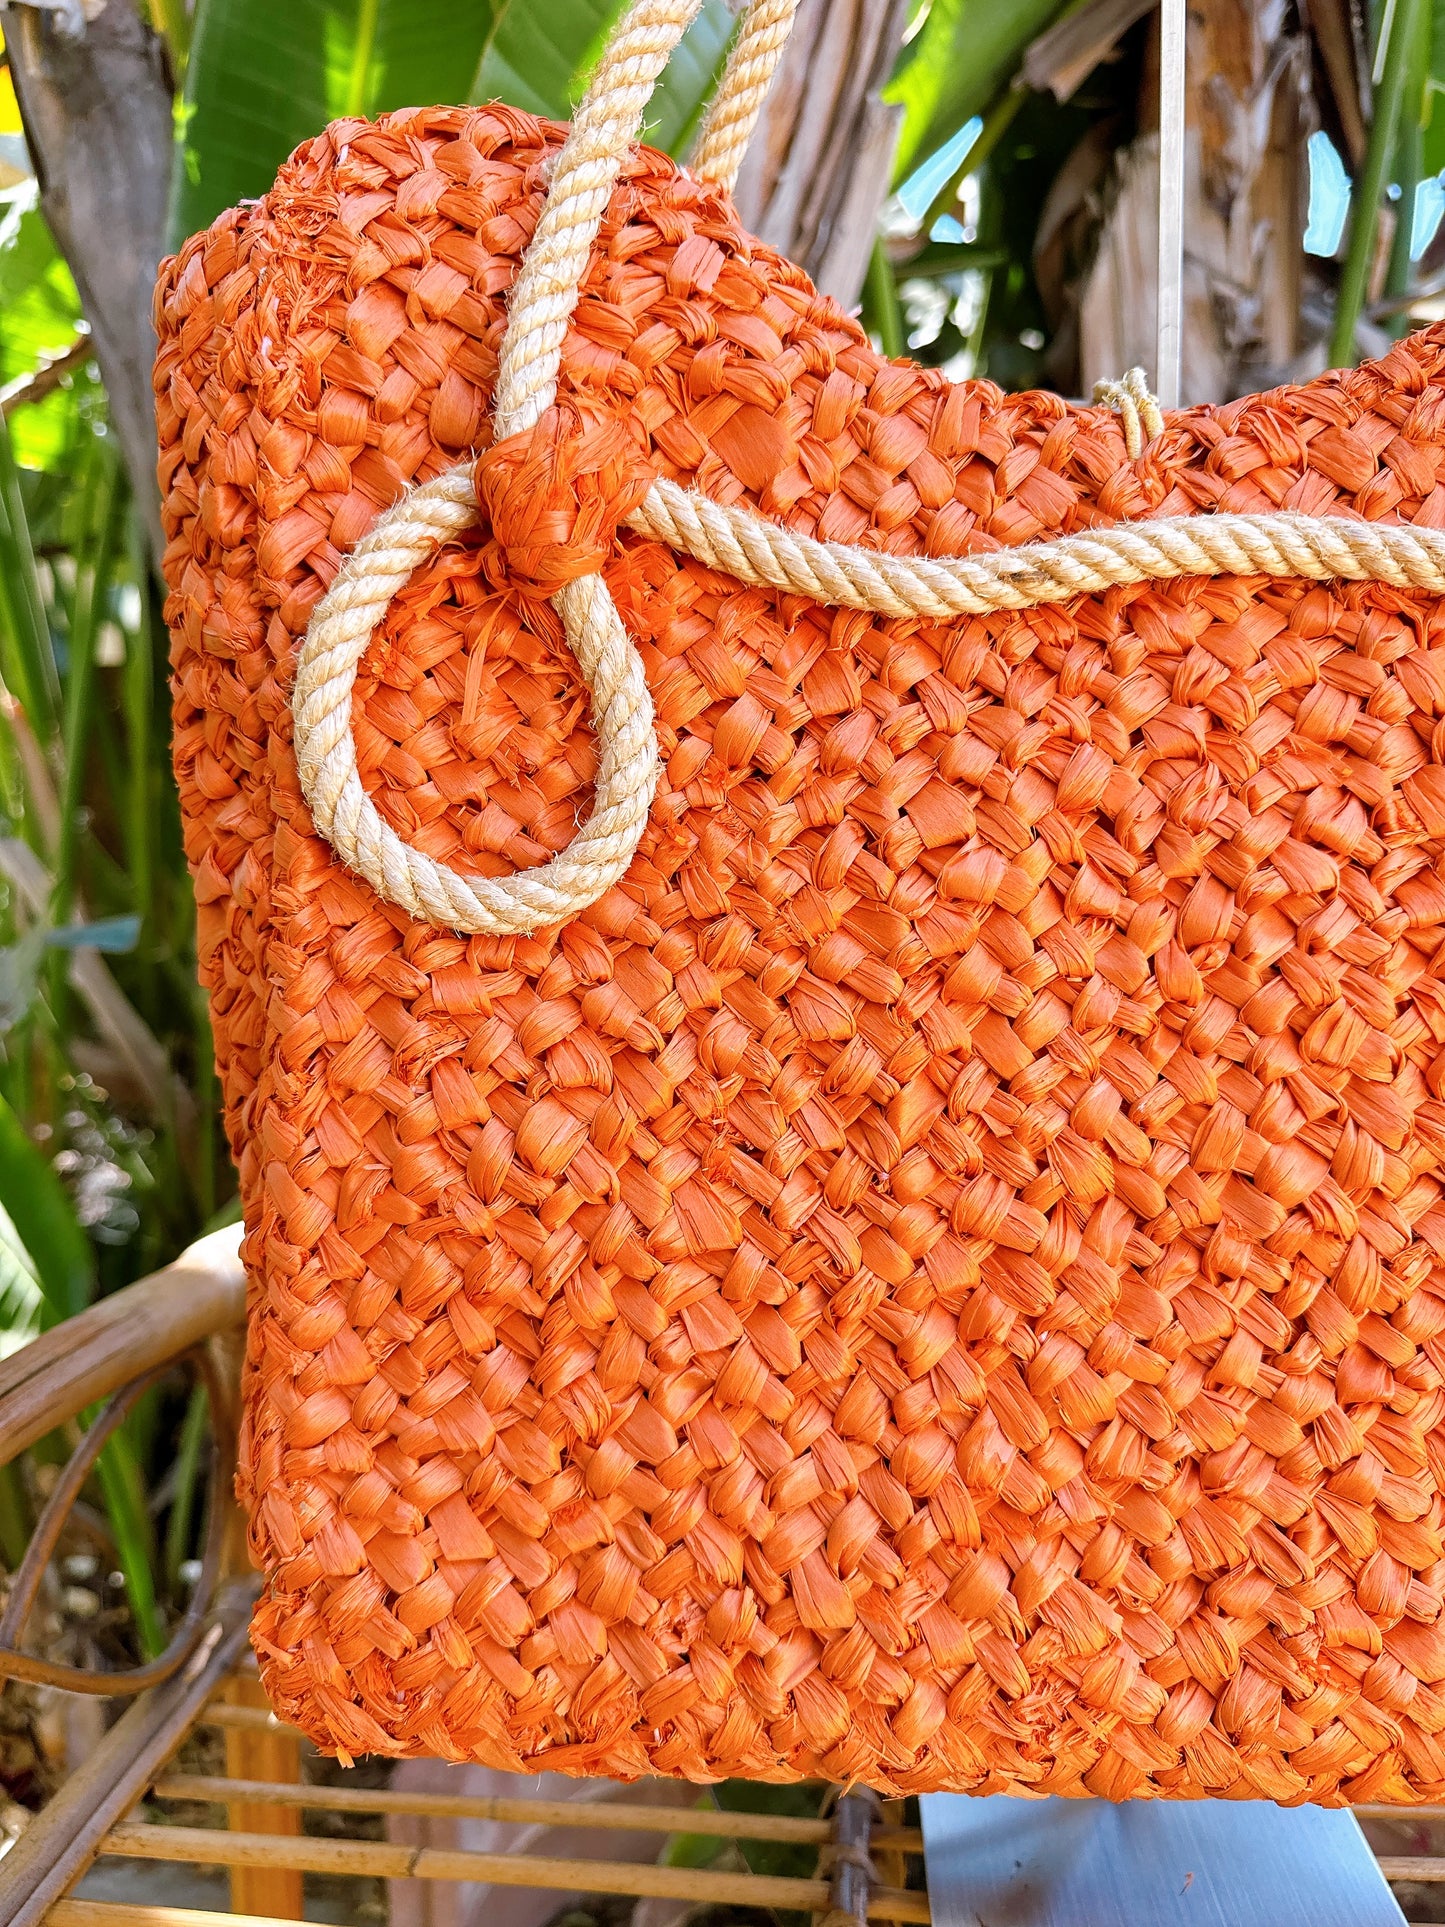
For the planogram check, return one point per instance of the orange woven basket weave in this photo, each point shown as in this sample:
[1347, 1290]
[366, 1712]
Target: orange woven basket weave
[934, 1278]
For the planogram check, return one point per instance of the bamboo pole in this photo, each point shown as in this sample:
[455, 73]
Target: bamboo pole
[1427, 1868]
[124, 1913]
[88, 1357]
[620, 1816]
[273, 1754]
[65, 1836]
[249, 1719]
[384, 1860]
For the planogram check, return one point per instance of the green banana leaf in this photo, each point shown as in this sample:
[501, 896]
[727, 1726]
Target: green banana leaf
[960, 60]
[545, 69]
[40, 318]
[265, 75]
[1427, 97]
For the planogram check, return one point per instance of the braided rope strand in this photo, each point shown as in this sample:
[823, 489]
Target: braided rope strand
[741, 543]
[583, 177]
[344, 621]
[1135, 403]
[739, 99]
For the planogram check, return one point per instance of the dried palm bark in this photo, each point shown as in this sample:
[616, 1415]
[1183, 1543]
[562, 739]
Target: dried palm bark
[820, 163]
[96, 103]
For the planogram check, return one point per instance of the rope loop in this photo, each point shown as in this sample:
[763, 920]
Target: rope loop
[341, 627]
[555, 547]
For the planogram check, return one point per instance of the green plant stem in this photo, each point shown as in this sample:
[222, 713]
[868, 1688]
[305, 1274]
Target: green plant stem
[1365, 207]
[80, 678]
[137, 688]
[64, 1262]
[881, 312]
[26, 655]
[173, 24]
[124, 1490]
[367, 14]
[188, 1472]
[45, 1222]
[1409, 157]
[997, 121]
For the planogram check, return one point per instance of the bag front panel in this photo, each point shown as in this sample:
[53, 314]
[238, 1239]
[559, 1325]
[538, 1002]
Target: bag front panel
[933, 1280]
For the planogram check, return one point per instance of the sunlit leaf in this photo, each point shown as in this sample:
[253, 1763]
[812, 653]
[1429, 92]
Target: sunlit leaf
[44, 1219]
[963, 56]
[21, 1300]
[40, 316]
[265, 75]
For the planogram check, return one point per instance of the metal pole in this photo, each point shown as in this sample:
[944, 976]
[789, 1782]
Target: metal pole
[1168, 350]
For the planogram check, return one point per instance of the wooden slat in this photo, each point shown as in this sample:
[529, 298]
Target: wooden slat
[384, 1860]
[1426, 1867]
[121, 1913]
[1370, 1811]
[272, 1755]
[249, 1719]
[618, 1816]
[93, 1354]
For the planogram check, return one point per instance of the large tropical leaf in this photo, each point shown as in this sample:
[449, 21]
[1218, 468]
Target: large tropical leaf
[256, 86]
[1432, 106]
[40, 317]
[677, 105]
[265, 75]
[539, 58]
[955, 66]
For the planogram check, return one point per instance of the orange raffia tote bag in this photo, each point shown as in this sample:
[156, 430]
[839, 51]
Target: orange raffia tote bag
[907, 1248]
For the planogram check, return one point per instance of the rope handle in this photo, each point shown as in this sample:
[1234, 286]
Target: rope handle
[344, 620]
[735, 540]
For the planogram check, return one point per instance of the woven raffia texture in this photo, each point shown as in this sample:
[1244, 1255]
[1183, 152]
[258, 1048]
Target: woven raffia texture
[933, 1280]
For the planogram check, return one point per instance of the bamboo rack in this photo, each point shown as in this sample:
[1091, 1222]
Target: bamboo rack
[274, 1854]
[266, 1864]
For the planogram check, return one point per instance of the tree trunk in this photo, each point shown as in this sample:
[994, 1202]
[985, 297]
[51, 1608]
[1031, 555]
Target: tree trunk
[96, 104]
[1250, 111]
[820, 164]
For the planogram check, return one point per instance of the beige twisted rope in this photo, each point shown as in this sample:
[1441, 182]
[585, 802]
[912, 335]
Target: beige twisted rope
[1135, 402]
[342, 624]
[345, 815]
[737, 541]
[751, 65]
[742, 543]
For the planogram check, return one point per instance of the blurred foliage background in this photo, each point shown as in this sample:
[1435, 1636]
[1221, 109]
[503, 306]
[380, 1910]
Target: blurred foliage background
[980, 174]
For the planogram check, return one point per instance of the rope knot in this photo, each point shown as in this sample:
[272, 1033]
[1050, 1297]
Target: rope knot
[1140, 414]
[554, 496]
